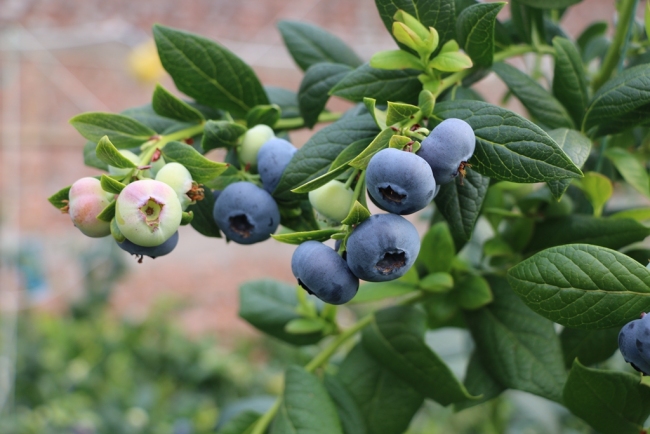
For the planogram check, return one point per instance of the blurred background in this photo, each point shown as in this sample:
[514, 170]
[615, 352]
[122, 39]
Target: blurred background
[90, 340]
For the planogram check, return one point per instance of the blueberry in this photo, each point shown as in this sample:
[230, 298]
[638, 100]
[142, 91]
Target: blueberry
[630, 338]
[448, 148]
[246, 213]
[251, 143]
[399, 182]
[383, 247]
[272, 158]
[152, 252]
[86, 200]
[323, 273]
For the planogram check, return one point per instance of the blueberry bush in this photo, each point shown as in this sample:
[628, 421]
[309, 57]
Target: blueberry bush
[537, 223]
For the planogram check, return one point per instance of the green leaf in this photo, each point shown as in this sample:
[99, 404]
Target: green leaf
[598, 189]
[401, 142]
[107, 213]
[349, 413]
[357, 214]
[396, 339]
[314, 90]
[373, 291]
[605, 232]
[268, 306]
[381, 141]
[302, 222]
[398, 112]
[509, 147]
[621, 103]
[123, 131]
[525, 21]
[630, 168]
[203, 221]
[437, 250]
[426, 102]
[286, 99]
[187, 218]
[519, 349]
[146, 115]
[453, 61]
[301, 237]
[436, 282]
[111, 185]
[267, 114]
[221, 134]
[115, 231]
[208, 72]
[306, 407]
[473, 292]
[338, 166]
[439, 14]
[577, 147]
[638, 214]
[538, 101]
[309, 44]
[109, 154]
[302, 326]
[60, 198]
[478, 381]
[549, 4]
[243, 423]
[475, 30]
[316, 156]
[594, 30]
[90, 156]
[169, 106]
[381, 84]
[590, 346]
[395, 59]
[569, 82]
[201, 169]
[583, 286]
[611, 402]
[378, 115]
[387, 404]
[460, 205]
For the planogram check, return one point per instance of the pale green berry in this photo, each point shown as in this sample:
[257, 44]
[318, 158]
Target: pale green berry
[86, 200]
[179, 178]
[333, 200]
[123, 172]
[148, 212]
[157, 165]
[251, 143]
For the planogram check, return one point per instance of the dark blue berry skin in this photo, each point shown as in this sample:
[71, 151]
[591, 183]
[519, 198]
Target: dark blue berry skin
[399, 182]
[632, 337]
[383, 247]
[451, 143]
[272, 158]
[245, 213]
[152, 252]
[323, 273]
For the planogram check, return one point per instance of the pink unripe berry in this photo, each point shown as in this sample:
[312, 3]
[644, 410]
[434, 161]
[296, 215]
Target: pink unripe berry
[87, 199]
[148, 212]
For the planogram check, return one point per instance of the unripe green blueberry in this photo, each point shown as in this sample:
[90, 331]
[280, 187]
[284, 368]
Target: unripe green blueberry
[123, 172]
[86, 200]
[179, 178]
[252, 141]
[333, 200]
[148, 212]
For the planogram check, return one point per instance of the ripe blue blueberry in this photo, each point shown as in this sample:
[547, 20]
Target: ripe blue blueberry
[399, 182]
[152, 252]
[383, 247]
[272, 158]
[323, 273]
[246, 213]
[634, 343]
[448, 148]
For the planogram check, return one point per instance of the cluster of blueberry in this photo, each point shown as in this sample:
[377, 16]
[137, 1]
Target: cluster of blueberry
[384, 246]
[147, 211]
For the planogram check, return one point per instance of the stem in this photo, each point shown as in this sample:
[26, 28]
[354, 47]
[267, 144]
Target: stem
[149, 148]
[357, 188]
[601, 155]
[350, 180]
[266, 419]
[327, 352]
[295, 123]
[615, 49]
